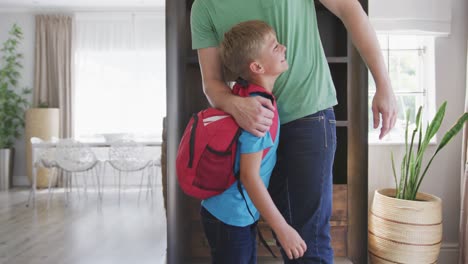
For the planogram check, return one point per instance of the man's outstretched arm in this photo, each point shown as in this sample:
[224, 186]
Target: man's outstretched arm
[354, 18]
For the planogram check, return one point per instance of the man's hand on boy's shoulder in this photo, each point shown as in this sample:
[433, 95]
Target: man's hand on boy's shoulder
[254, 114]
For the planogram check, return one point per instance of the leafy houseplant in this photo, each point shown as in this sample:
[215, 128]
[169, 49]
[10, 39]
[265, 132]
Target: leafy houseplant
[411, 165]
[405, 226]
[12, 100]
[43, 104]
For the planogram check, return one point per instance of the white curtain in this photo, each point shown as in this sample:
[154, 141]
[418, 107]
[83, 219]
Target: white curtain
[53, 67]
[120, 75]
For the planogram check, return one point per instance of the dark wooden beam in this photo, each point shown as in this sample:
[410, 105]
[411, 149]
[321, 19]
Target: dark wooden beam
[357, 154]
[177, 228]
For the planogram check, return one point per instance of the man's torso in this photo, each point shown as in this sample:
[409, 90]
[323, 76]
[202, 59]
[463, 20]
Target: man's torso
[307, 86]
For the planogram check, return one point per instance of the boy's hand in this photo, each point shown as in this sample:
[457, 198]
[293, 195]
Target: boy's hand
[291, 242]
[254, 114]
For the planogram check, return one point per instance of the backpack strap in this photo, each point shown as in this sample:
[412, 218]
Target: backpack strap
[244, 89]
[264, 94]
[242, 82]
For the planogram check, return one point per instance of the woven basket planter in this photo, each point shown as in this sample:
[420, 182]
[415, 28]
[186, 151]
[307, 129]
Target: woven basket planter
[402, 231]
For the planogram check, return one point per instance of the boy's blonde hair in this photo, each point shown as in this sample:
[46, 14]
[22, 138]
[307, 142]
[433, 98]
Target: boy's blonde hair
[241, 45]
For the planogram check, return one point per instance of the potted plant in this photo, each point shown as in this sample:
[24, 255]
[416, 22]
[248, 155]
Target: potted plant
[13, 103]
[42, 122]
[405, 225]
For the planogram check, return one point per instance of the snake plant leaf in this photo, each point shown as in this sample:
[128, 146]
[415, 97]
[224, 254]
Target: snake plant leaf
[411, 160]
[402, 177]
[394, 172]
[431, 131]
[411, 165]
[418, 124]
[453, 131]
[436, 122]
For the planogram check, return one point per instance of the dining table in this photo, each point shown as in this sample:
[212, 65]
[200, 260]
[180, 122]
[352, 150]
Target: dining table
[97, 145]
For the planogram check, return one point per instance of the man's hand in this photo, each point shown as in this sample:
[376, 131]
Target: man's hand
[384, 104]
[253, 114]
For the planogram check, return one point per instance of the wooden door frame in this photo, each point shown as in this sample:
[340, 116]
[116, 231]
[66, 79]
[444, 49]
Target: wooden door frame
[177, 228]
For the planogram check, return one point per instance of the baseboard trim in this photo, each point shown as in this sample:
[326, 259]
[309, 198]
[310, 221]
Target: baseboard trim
[449, 253]
[449, 246]
[20, 181]
[23, 181]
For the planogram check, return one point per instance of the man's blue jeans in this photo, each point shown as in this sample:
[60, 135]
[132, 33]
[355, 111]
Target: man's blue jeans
[229, 244]
[301, 184]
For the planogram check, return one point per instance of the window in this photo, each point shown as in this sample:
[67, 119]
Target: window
[410, 63]
[120, 76]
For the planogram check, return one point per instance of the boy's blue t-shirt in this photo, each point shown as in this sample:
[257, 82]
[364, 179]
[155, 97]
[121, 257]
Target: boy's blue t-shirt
[229, 206]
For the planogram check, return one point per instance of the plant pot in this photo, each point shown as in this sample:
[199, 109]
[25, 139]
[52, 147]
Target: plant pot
[44, 124]
[6, 168]
[402, 231]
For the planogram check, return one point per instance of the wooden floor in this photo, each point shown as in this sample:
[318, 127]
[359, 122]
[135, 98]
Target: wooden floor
[80, 232]
[83, 233]
[338, 260]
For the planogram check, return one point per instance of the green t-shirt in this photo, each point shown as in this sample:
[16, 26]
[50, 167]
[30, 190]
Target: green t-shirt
[306, 87]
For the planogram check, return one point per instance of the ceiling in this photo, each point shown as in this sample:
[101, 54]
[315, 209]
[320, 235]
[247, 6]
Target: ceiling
[80, 4]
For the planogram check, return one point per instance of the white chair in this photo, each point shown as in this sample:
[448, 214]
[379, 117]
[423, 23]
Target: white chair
[128, 156]
[45, 158]
[74, 157]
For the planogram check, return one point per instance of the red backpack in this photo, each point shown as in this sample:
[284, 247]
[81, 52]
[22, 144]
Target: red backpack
[207, 151]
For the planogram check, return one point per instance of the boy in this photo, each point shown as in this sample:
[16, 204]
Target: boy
[251, 51]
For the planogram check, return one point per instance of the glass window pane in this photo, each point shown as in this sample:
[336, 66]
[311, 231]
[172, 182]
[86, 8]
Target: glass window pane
[405, 57]
[405, 70]
[132, 86]
[120, 84]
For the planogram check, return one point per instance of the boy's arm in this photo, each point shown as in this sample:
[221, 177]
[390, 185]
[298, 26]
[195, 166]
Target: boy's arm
[250, 112]
[364, 38]
[293, 245]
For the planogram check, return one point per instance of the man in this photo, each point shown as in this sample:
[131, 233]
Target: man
[302, 184]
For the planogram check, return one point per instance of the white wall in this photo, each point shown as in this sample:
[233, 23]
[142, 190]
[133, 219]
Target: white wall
[443, 178]
[27, 23]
